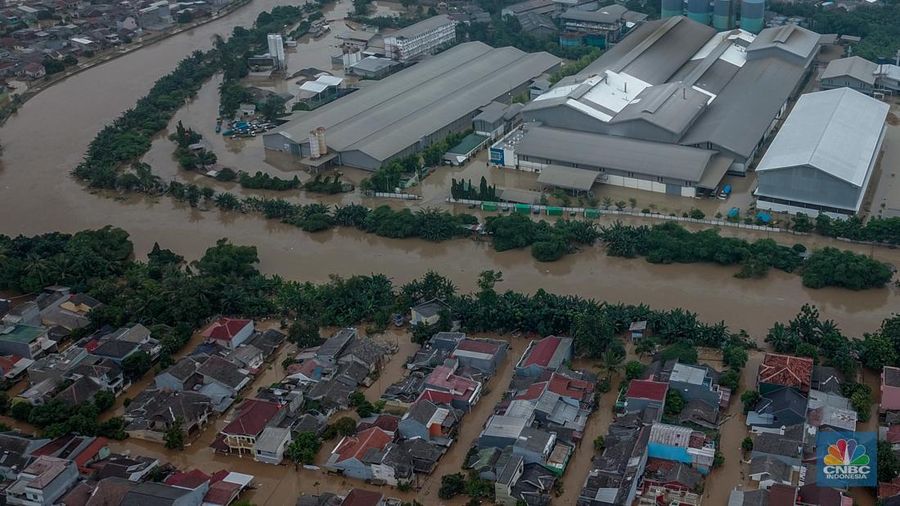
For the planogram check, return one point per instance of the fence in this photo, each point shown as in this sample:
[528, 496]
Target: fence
[390, 195]
[594, 213]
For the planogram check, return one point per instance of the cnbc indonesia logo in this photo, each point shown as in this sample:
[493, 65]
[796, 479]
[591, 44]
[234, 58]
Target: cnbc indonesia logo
[846, 460]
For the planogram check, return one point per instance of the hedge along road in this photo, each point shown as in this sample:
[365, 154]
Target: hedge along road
[46, 139]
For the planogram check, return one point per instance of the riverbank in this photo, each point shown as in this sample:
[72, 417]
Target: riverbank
[118, 52]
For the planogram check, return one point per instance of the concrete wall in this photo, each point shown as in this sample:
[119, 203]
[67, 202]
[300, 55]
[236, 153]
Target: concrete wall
[807, 185]
[846, 82]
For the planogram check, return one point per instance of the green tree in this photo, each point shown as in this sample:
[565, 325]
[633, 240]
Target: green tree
[599, 443]
[452, 485]
[750, 398]
[345, 426]
[104, 400]
[135, 365]
[888, 465]
[612, 358]
[174, 435]
[674, 403]
[634, 370]
[747, 444]
[303, 449]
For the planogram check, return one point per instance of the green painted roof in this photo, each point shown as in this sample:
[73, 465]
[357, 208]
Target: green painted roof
[23, 334]
[467, 144]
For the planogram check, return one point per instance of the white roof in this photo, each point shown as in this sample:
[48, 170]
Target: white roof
[835, 131]
[313, 86]
[330, 80]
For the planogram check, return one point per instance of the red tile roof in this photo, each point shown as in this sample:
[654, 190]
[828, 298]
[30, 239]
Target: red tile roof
[189, 480]
[786, 370]
[568, 387]
[782, 495]
[222, 492]
[893, 434]
[254, 416]
[92, 345]
[534, 391]
[542, 352]
[436, 396]
[647, 389]
[224, 329]
[89, 453]
[460, 387]
[356, 446]
[7, 362]
[360, 497]
[478, 346]
[889, 489]
[387, 423]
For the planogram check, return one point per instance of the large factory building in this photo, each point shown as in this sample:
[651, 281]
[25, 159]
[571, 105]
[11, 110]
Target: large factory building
[693, 104]
[408, 111]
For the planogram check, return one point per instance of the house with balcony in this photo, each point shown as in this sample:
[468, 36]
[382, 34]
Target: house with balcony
[43, 482]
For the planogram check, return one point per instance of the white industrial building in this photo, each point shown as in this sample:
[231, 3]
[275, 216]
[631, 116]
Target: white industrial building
[421, 39]
[276, 49]
[671, 108]
[823, 157]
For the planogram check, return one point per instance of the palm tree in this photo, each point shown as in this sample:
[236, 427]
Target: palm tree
[612, 359]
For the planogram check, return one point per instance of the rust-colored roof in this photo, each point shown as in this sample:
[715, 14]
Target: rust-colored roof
[88, 454]
[224, 329]
[435, 396]
[253, 417]
[542, 352]
[478, 346]
[356, 446]
[360, 497]
[533, 391]
[189, 480]
[786, 370]
[568, 387]
[222, 492]
[647, 389]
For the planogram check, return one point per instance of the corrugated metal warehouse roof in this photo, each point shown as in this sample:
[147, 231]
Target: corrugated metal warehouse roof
[836, 131]
[384, 119]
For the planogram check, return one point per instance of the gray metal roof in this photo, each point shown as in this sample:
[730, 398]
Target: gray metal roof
[854, 66]
[422, 27]
[610, 14]
[672, 107]
[518, 196]
[395, 113]
[740, 115]
[492, 112]
[835, 131]
[373, 64]
[619, 153]
[797, 41]
[568, 177]
[654, 51]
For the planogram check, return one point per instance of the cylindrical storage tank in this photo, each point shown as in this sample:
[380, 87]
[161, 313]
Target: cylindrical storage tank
[320, 137]
[753, 15]
[723, 15]
[314, 145]
[699, 11]
[671, 8]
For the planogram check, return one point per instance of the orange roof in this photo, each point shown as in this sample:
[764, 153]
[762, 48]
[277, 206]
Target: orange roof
[786, 370]
[224, 329]
[356, 446]
[190, 479]
[568, 387]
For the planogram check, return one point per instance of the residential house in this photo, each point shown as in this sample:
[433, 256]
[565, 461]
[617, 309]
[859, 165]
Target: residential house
[117, 351]
[25, 341]
[247, 357]
[890, 389]
[696, 383]
[17, 452]
[33, 71]
[784, 371]
[40, 393]
[160, 494]
[225, 487]
[361, 497]
[329, 352]
[428, 421]
[268, 341]
[465, 391]
[140, 335]
[308, 371]
[26, 313]
[241, 434]
[509, 469]
[545, 354]
[534, 445]
[827, 379]
[643, 394]
[106, 373]
[502, 431]
[814, 495]
[79, 392]
[637, 330]
[352, 455]
[229, 332]
[271, 444]
[615, 473]
[133, 468]
[56, 366]
[71, 312]
[180, 376]
[392, 465]
[330, 395]
[699, 413]
[82, 450]
[364, 352]
[13, 367]
[222, 381]
[534, 486]
[446, 341]
[768, 470]
[483, 355]
[784, 448]
[153, 412]
[424, 455]
[428, 313]
[777, 410]
[42, 482]
[829, 412]
[681, 444]
[194, 479]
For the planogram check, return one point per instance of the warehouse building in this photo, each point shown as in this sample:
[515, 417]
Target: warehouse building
[407, 111]
[421, 39]
[862, 75]
[823, 157]
[676, 82]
